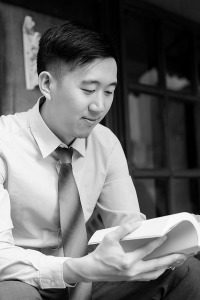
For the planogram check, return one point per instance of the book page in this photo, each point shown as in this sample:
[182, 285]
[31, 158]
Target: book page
[151, 228]
[181, 239]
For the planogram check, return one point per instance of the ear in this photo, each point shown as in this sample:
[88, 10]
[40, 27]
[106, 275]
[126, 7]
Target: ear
[45, 82]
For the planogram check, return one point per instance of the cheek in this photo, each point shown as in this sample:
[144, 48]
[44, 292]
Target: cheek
[67, 106]
[76, 102]
[108, 105]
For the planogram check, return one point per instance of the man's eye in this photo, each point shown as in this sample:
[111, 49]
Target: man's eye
[88, 91]
[109, 93]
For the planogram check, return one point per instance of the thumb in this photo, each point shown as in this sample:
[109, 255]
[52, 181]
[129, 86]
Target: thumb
[123, 230]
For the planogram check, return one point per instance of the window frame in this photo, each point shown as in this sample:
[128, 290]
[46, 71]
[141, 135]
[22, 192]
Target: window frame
[163, 19]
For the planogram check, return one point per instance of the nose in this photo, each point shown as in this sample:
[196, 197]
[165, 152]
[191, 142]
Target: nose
[98, 104]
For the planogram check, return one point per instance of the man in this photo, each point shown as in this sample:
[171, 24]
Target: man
[77, 76]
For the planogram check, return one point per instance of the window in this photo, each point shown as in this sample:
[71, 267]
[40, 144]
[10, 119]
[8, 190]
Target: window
[161, 70]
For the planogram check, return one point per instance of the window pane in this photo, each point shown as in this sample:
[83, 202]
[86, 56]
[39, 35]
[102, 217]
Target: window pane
[184, 134]
[146, 131]
[141, 56]
[178, 54]
[198, 64]
[152, 196]
[197, 133]
[185, 195]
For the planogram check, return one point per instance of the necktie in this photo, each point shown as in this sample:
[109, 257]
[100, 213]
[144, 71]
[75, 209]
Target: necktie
[72, 223]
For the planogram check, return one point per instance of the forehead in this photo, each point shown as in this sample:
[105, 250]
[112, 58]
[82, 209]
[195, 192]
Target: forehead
[99, 69]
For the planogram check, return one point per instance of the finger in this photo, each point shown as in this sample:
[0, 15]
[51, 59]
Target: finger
[147, 276]
[163, 262]
[122, 231]
[142, 252]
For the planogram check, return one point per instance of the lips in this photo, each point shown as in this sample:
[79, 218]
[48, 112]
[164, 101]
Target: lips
[91, 119]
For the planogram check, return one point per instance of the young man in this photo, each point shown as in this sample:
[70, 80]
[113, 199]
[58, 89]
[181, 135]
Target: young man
[77, 76]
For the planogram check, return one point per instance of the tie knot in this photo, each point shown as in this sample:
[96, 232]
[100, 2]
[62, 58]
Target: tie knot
[64, 154]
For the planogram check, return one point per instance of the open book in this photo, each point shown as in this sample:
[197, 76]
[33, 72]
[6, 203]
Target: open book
[182, 230]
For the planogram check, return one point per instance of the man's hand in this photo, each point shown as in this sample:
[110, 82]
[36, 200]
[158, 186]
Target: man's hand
[109, 262]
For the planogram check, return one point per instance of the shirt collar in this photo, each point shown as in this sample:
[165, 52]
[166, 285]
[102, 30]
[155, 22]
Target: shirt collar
[46, 140]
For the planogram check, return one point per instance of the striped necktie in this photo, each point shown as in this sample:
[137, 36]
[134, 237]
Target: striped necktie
[72, 222]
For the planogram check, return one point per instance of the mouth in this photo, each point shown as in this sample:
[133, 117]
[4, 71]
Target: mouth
[91, 120]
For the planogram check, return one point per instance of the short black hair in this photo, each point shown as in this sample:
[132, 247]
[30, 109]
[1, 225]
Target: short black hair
[72, 43]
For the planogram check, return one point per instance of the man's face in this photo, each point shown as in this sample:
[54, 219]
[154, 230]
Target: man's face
[80, 98]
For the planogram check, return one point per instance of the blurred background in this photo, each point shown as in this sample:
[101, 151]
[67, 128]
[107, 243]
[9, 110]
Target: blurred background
[156, 111]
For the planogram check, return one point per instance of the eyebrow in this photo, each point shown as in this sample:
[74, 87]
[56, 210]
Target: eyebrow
[97, 82]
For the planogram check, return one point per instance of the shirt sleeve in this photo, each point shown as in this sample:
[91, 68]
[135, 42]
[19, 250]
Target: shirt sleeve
[118, 201]
[17, 263]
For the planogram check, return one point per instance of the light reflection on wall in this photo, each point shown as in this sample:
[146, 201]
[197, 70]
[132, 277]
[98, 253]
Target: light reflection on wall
[173, 82]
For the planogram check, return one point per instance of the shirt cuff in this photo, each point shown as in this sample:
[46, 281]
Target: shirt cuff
[50, 270]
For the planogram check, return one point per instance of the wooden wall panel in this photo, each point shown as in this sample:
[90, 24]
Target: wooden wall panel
[13, 94]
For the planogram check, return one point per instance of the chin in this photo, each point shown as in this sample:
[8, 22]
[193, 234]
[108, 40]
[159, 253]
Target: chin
[84, 134]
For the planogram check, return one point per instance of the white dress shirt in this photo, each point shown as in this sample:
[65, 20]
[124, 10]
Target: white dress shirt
[29, 214]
